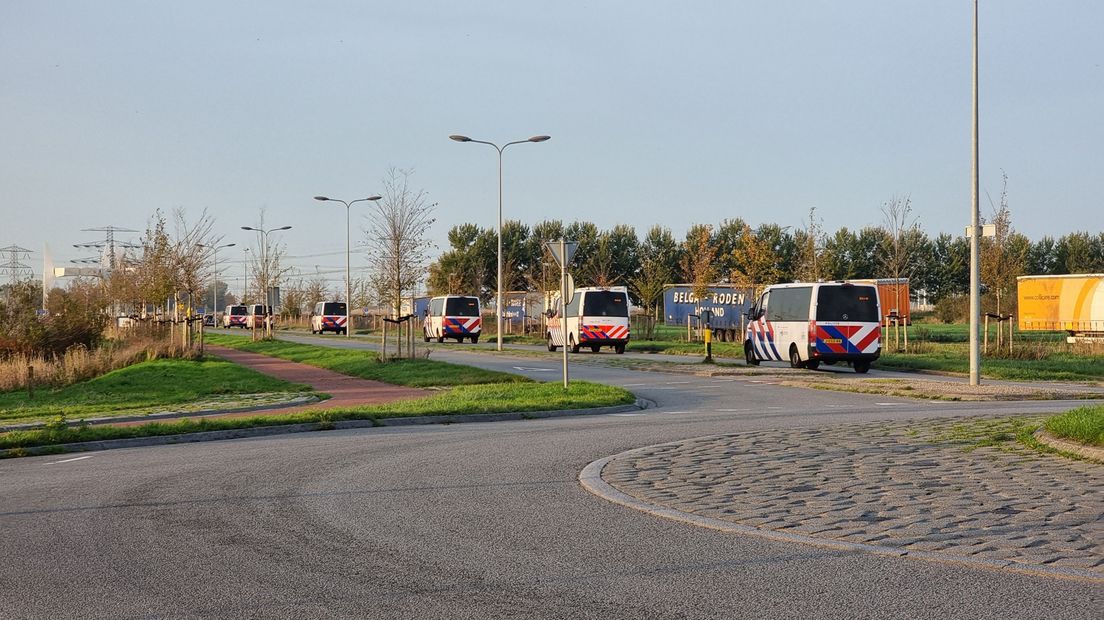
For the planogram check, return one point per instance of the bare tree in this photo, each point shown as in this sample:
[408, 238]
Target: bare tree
[1003, 256]
[810, 242]
[902, 242]
[399, 250]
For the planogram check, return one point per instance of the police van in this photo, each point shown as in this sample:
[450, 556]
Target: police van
[810, 323]
[596, 317]
[329, 316]
[452, 316]
[235, 316]
[259, 317]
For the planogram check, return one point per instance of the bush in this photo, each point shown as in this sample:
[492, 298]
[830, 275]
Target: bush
[75, 317]
[953, 309]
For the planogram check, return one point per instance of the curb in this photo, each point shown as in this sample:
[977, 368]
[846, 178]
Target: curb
[283, 429]
[591, 479]
[1064, 445]
[162, 415]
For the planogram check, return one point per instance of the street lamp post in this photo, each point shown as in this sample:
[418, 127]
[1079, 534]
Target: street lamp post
[348, 283]
[245, 285]
[214, 283]
[975, 237]
[264, 271]
[498, 304]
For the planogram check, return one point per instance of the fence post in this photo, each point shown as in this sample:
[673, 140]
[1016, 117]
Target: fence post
[985, 346]
[30, 381]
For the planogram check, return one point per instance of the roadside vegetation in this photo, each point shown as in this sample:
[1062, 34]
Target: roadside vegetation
[460, 400]
[367, 365]
[141, 388]
[1084, 425]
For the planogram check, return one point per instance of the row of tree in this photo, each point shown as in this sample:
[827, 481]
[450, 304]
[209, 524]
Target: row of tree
[735, 252]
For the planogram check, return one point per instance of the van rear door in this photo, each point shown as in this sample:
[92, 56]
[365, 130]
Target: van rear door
[847, 319]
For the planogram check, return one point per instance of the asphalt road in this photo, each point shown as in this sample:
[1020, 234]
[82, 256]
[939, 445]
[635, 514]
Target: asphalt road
[462, 521]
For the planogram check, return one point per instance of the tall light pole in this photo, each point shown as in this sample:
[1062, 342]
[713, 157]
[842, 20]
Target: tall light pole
[245, 286]
[975, 230]
[348, 284]
[264, 270]
[498, 304]
[214, 283]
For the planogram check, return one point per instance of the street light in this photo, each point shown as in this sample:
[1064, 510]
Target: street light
[214, 283]
[348, 285]
[245, 286]
[264, 269]
[498, 305]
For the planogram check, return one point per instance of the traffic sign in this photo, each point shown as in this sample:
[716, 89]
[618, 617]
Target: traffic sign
[569, 248]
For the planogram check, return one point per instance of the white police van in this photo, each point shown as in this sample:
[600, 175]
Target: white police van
[810, 323]
[596, 317]
[452, 316]
[329, 316]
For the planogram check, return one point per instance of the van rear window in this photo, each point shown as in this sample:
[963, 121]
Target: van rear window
[238, 311]
[847, 303]
[334, 307]
[605, 303]
[462, 306]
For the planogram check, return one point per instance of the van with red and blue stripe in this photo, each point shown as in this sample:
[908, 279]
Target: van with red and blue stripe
[329, 316]
[811, 323]
[453, 316]
[597, 317]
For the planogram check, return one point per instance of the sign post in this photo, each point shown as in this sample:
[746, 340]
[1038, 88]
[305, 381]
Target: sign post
[563, 251]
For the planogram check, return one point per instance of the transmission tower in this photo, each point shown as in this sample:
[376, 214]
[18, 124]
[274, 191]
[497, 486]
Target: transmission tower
[110, 259]
[15, 267]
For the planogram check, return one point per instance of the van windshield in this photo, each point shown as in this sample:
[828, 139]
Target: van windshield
[462, 306]
[238, 311]
[334, 307]
[847, 303]
[605, 303]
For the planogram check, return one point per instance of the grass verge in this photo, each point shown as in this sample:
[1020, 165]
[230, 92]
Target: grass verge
[461, 400]
[1084, 425]
[1056, 367]
[367, 365]
[146, 386]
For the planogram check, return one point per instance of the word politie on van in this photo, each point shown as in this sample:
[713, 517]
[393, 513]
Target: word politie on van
[687, 297]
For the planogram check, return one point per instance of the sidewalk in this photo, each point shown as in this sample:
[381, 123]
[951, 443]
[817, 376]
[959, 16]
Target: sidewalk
[898, 488]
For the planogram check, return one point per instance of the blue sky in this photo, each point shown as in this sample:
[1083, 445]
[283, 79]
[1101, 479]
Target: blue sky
[669, 113]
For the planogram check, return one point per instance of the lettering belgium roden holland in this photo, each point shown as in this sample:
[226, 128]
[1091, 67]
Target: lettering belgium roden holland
[687, 297]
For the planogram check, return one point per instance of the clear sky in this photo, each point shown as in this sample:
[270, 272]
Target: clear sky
[669, 113]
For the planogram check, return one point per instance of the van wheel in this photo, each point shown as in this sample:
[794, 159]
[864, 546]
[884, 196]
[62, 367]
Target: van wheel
[440, 338]
[795, 358]
[749, 354]
[619, 349]
[550, 345]
[812, 364]
[425, 335]
[574, 347]
[862, 367]
[475, 338]
[594, 348]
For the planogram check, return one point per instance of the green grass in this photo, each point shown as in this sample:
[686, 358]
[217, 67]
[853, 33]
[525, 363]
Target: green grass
[1084, 425]
[145, 386]
[366, 364]
[460, 400]
[1056, 366]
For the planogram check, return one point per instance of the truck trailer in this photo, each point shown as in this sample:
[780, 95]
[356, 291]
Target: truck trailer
[1070, 303]
[725, 304]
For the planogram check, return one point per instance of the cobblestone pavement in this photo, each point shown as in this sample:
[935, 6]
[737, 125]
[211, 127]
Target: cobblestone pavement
[912, 486]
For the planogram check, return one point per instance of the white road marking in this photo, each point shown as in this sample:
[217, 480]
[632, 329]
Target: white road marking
[676, 383]
[676, 412]
[626, 415]
[774, 407]
[79, 458]
[733, 410]
[886, 404]
[632, 384]
[526, 368]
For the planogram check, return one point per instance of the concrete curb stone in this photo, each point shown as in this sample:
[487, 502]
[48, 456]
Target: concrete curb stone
[1065, 445]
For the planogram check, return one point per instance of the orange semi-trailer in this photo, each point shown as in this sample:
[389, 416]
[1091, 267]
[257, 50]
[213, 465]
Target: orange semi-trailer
[893, 293]
[1071, 303]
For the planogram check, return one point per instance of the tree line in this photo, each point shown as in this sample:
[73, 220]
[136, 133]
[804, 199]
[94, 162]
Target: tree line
[735, 252]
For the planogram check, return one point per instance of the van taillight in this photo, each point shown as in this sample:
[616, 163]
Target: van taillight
[812, 337]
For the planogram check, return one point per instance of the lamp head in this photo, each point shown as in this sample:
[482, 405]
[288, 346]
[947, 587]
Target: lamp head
[284, 228]
[320, 198]
[460, 138]
[248, 228]
[539, 138]
[373, 198]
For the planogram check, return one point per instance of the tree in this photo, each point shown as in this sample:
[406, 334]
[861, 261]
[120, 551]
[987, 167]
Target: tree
[756, 262]
[808, 262]
[699, 259]
[397, 237]
[1003, 256]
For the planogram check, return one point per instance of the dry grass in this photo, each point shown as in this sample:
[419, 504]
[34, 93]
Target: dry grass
[81, 364]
